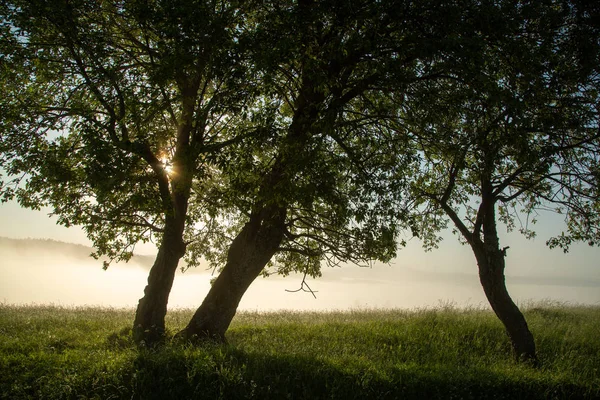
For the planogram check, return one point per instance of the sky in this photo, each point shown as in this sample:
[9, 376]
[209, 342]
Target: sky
[415, 279]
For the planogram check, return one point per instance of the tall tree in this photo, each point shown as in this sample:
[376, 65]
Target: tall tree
[320, 192]
[514, 131]
[109, 113]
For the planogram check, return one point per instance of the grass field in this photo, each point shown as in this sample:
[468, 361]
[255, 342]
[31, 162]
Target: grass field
[445, 353]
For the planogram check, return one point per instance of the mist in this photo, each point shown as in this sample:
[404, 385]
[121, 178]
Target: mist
[49, 272]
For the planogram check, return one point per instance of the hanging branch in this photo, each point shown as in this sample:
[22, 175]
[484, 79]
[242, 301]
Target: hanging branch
[304, 286]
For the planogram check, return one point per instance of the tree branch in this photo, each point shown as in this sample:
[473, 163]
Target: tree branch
[303, 286]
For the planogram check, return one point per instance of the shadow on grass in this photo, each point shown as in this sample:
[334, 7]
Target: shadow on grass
[228, 373]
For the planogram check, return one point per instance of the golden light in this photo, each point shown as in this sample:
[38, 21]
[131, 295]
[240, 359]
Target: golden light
[168, 167]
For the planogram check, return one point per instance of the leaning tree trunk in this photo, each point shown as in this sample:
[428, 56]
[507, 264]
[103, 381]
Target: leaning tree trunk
[248, 254]
[491, 275]
[491, 262]
[149, 323]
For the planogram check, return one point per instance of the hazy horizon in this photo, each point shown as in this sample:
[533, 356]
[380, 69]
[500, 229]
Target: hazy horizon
[61, 273]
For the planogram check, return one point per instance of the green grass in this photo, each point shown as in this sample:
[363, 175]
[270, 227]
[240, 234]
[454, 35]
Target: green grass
[78, 353]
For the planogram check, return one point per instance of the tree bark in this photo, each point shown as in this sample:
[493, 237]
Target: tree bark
[491, 263]
[248, 254]
[491, 275]
[149, 322]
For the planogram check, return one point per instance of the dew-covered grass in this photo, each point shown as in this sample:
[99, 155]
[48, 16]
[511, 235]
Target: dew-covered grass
[51, 352]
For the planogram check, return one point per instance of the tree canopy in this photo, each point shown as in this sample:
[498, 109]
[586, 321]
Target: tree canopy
[114, 107]
[277, 137]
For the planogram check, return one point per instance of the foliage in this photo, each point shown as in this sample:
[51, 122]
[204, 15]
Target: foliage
[516, 128]
[315, 65]
[121, 115]
[96, 97]
[50, 352]
[110, 108]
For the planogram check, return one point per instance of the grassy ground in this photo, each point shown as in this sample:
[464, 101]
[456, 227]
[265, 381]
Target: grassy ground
[61, 353]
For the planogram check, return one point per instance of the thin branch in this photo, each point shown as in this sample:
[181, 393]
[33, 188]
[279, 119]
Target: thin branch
[303, 286]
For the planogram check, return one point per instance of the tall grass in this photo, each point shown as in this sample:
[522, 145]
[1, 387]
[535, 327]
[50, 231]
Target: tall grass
[63, 353]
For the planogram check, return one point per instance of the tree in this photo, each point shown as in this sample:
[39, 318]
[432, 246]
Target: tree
[321, 190]
[295, 192]
[515, 131]
[110, 111]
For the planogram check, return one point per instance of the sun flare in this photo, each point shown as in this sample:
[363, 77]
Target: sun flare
[168, 167]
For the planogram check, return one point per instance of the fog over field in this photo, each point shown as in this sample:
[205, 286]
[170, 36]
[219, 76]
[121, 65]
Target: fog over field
[45, 271]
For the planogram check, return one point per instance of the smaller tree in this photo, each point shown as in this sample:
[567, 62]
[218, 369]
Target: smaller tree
[515, 131]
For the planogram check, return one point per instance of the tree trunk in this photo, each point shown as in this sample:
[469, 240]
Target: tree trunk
[248, 254]
[491, 262]
[261, 236]
[149, 323]
[491, 275]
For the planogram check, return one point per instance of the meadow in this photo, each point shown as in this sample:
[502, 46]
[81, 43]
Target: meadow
[49, 352]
